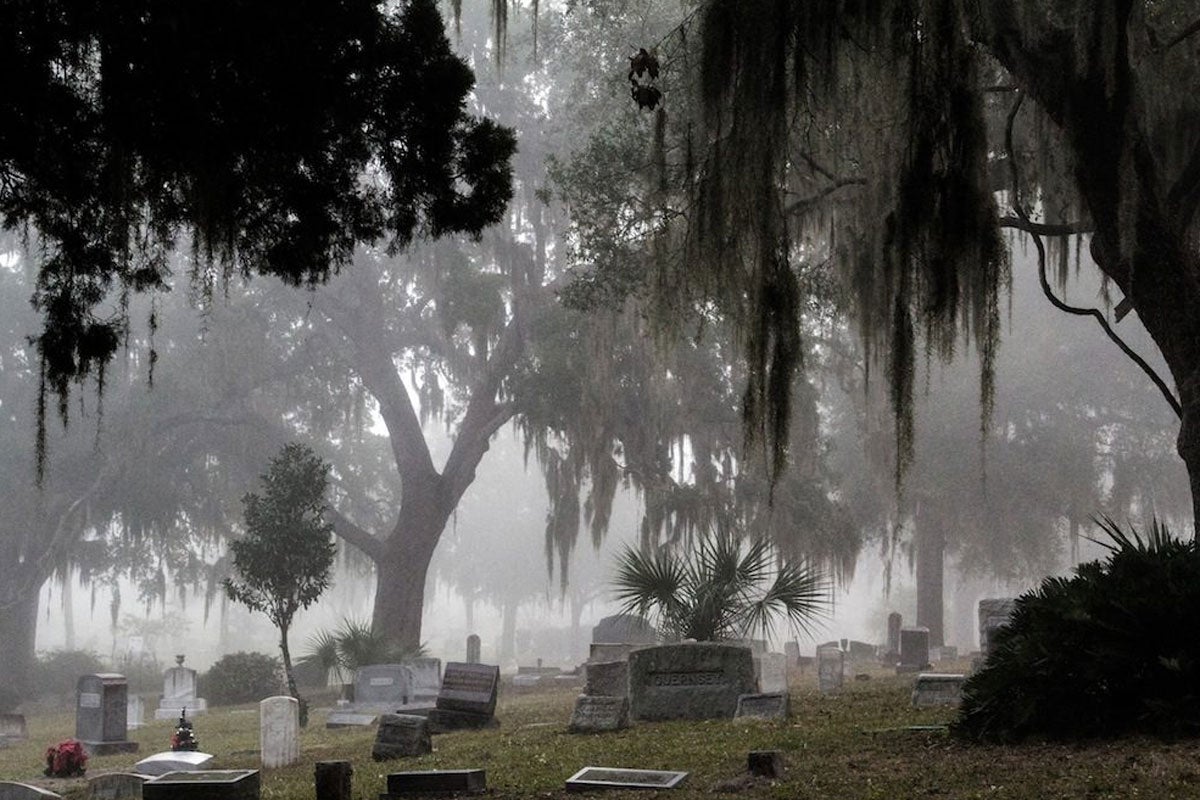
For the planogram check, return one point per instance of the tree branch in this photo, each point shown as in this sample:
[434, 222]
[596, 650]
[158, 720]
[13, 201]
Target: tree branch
[804, 204]
[1045, 228]
[371, 546]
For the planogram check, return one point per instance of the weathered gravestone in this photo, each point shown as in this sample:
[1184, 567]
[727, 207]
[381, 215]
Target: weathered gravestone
[526, 681]
[179, 692]
[772, 672]
[401, 736]
[938, 689]
[279, 731]
[764, 705]
[170, 761]
[10, 790]
[891, 655]
[116, 786]
[994, 614]
[135, 712]
[914, 649]
[101, 702]
[467, 698]
[426, 679]
[607, 679]
[624, 628]
[214, 784]
[473, 649]
[791, 650]
[831, 663]
[12, 729]
[599, 714]
[861, 652]
[944, 653]
[435, 782]
[700, 680]
[332, 779]
[382, 688]
[592, 778]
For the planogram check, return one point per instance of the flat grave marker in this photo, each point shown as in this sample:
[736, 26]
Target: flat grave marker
[590, 778]
[938, 689]
[116, 786]
[172, 761]
[764, 705]
[216, 784]
[599, 714]
[435, 781]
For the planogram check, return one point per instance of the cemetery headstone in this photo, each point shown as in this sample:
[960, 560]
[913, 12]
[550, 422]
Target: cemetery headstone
[792, 651]
[764, 705]
[599, 714]
[172, 761]
[944, 653]
[135, 712]
[861, 652]
[12, 729]
[699, 680]
[765, 763]
[830, 668]
[938, 689]
[400, 736]
[592, 778]
[467, 698]
[101, 702]
[894, 622]
[607, 678]
[914, 649]
[627, 628]
[435, 782]
[772, 672]
[332, 779]
[116, 786]
[213, 784]
[350, 719]
[279, 731]
[179, 692]
[382, 688]
[11, 790]
[426, 679]
[993, 615]
[526, 681]
[473, 649]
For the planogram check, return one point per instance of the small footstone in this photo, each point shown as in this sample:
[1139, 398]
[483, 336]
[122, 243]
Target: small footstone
[400, 736]
[599, 714]
[765, 763]
[332, 779]
[435, 782]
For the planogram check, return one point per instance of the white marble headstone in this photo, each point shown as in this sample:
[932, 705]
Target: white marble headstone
[172, 761]
[279, 731]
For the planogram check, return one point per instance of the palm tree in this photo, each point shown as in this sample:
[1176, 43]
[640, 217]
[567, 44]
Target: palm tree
[722, 589]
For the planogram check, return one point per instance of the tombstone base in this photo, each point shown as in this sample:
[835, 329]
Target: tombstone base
[109, 748]
[226, 784]
[444, 720]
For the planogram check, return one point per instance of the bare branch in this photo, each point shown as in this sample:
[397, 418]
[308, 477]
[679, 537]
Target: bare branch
[804, 204]
[1046, 228]
[371, 546]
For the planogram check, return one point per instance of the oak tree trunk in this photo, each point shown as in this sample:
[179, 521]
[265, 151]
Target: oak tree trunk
[18, 633]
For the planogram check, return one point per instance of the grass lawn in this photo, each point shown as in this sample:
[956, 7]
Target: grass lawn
[850, 745]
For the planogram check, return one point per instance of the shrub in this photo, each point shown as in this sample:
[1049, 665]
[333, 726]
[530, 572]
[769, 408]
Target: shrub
[1110, 651]
[58, 671]
[242, 678]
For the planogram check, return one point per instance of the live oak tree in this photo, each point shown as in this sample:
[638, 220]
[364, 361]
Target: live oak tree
[284, 558]
[266, 138]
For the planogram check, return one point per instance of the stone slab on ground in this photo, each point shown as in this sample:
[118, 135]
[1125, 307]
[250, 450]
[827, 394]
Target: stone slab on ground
[592, 778]
[217, 784]
[350, 719]
[172, 761]
[435, 782]
[763, 705]
[938, 689]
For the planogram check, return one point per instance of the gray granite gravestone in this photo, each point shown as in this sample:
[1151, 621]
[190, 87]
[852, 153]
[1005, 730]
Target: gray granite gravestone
[764, 705]
[467, 698]
[426, 679]
[11, 790]
[473, 649]
[172, 761]
[698, 680]
[894, 622]
[593, 778]
[382, 688]
[400, 736]
[12, 729]
[216, 784]
[599, 714]
[938, 689]
[993, 615]
[914, 649]
[624, 628]
[607, 678]
[792, 651]
[116, 786]
[101, 702]
[772, 672]
[831, 663]
[435, 782]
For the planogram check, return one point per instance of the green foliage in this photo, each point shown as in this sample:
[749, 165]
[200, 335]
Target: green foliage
[241, 678]
[1108, 652]
[285, 556]
[353, 645]
[58, 671]
[719, 589]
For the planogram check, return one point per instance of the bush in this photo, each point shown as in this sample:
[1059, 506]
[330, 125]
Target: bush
[1108, 652]
[58, 671]
[242, 678]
